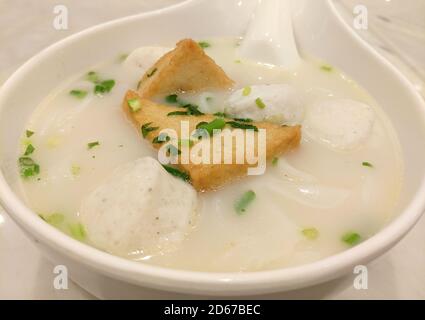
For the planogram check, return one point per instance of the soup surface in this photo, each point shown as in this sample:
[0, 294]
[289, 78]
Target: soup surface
[338, 188]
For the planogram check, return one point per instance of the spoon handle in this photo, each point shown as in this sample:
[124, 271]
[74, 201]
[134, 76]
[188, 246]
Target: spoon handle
[270, 37]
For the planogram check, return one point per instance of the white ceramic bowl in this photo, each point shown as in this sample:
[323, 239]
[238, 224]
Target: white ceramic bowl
[319, 31]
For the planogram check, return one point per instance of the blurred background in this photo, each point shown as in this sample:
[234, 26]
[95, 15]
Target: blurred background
[396, 30]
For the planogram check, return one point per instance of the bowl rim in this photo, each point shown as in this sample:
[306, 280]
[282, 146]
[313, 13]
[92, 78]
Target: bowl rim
[197, 281]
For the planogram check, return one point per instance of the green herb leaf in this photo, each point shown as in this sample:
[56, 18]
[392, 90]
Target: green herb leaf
[55, 219]
[30, 149]
[216, 124]
[93, 144]
[104, 87]
[150, 74]
[77, 231]
[75, 170]
[163, 137]
[326, 68]
[246, 199]
[29, 133]
[79, 94]
[204, 44]
[311, 233]
[352, 238]
[178, 113]
[275, 161]
[172, 99]
[243, 120]
[260, 104]
[193, 110]
[177, 173]
[246, 91]
[28, 168]
[92, 77]
[245, 126]
[221, 114]
[367, 164]
[134, 104]
[146, 129]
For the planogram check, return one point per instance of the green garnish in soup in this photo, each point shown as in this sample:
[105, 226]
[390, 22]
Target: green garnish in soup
[260, 103]
[311, 233]
[242, 204]
[79, 94]
[134, 104]
[28, 167]
[29, 133]
[204, 44]
[147, 128]
[177, 173]
[93, 144]
[30, 149]
[104, 87]
[352, 238]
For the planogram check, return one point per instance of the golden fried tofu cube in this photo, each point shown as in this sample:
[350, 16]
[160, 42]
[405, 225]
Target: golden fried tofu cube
[186, 68]
[210, 176]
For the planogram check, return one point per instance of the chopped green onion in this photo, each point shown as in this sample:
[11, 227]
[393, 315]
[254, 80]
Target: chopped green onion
[178, 113]
[221, 114]
[311, 233]
[77, 231]
[172, 98]
[246, 91]
[275, 161]
[260, 104]
[30, 149]
[367, 164]
[192, 110]
[352, 238]
[238, 61]
[243, 120]
[177, 173]
[327, 68]
[246, 199]
[146, 129]
[209, 99]
[150, 74]
[79, 94]
[216, 124]
[104, 87]
[55, 219]
[163, 137]
[245, 126]
[93, 144]
[134, 104]
[204, 44]
[28, 167]
[75, 170]
[92, 77]
[29, 133]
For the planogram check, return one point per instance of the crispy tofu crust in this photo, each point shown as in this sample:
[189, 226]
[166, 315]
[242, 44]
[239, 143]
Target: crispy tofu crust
[186, 68]
[207, 177]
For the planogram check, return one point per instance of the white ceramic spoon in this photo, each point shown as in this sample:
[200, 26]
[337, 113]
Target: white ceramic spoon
[270, 36]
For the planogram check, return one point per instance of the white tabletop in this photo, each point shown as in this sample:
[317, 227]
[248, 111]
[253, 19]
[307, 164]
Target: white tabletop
[25, 274]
